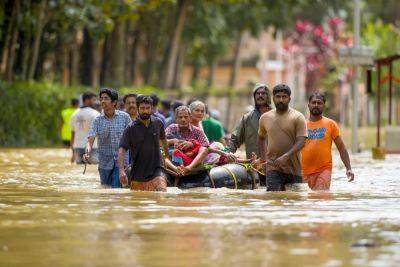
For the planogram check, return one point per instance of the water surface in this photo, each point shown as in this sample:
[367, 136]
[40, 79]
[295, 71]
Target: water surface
[53, 215]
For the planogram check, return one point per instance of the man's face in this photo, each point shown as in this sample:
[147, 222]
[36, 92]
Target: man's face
[91, 102]
[281, 101]
[316, 106]
[130, 105]
[145, 111]
[106, 102]
[183, 118]
[261, 96]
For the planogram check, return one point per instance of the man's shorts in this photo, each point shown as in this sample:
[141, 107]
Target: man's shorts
[93, 157]
[319, 181]
[276, 181]
[158, 183]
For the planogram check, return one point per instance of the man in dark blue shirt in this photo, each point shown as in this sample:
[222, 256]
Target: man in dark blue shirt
[142, 137]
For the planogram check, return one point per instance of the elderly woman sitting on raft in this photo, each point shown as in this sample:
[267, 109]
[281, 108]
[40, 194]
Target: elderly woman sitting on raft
[190, 146]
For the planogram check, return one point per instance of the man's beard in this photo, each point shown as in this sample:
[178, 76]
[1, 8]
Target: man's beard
[144, 116]
[281, 107]
[316, 112]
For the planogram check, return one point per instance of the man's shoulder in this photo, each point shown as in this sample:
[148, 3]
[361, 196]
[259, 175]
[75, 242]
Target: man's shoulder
[173, 126]
[122, 113]
[157, 120]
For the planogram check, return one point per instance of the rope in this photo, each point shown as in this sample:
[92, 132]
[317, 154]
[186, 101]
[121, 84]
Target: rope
[232, 175]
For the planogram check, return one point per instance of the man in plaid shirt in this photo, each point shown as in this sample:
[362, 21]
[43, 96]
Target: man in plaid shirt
[108, 127]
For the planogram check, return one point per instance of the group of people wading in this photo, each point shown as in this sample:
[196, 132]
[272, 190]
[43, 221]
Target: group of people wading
[279, 142]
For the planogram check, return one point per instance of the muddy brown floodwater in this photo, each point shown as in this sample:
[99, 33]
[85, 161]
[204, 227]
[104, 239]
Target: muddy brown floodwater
[53, 215]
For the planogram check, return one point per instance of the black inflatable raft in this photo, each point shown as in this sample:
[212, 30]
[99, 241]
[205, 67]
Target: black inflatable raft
[235, 176]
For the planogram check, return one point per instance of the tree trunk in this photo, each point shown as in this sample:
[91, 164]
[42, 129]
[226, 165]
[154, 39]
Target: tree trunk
[65, 65]
[180, 64]
[237, 61]
[26, 55]
[86, 59]
[195, 73]
[128, 42]
[37, 39]
[11, 40]
[117, 56]
[212, 68]
[13, 44]
[151, 53]
[97, 57]
[172, 56]
[75, 57]
[135, 53]
[4, 54]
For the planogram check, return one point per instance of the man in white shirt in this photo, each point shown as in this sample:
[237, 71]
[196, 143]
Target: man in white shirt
[81, 122]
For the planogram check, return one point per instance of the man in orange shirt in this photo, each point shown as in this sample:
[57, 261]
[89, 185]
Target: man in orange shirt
[317, 152]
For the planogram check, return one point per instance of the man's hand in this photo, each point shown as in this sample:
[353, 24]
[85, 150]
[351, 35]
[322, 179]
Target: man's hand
[86, 157]
[350, 175]
[185, 145]
[230, 157]
[281, 161]
[122, 178]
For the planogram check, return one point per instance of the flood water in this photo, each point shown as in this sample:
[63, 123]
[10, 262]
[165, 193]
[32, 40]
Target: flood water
[53, 215]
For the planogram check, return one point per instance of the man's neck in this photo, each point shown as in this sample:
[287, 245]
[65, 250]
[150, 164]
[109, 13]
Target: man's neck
[184, 129]
[315, 118]
[263, 109]
[133, 116]
[145, 122]
[109, 113]
[280, 112]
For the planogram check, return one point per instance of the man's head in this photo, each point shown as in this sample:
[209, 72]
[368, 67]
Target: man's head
[281, 95]
[130, 104]
[144, 105]
[182, 116]
[262, 96]
[316, 104]
[165, 107]
[75, 102]
[89, 99]
[154, 97]
[108, 98]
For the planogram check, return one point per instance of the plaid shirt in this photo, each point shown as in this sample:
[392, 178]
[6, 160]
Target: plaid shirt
[193, 133]
[109, 132]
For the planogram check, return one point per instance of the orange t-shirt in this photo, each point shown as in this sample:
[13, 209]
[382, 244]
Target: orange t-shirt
[317, 152]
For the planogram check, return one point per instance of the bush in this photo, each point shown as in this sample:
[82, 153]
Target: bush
[31, 112]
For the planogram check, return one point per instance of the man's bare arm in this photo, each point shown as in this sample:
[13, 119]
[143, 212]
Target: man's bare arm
[164, 144]
[344, 155]
[281, 161]
[88, 149]
[121, 166]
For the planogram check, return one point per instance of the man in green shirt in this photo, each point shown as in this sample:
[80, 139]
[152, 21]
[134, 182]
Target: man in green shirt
[213, 129]
[66, 115]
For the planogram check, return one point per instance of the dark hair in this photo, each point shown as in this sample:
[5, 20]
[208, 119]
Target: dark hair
[176, 105]
[87, 95]
[74, 101]
[128, 95]
[110, 92]
[166, 104]
[281, 88]
[155, 99]
[317, 95]
[143, 99]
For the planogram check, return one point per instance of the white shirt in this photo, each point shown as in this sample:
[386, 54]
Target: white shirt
[80, 123]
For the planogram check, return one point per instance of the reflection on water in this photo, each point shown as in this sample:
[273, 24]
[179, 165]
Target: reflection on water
[53, 215]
